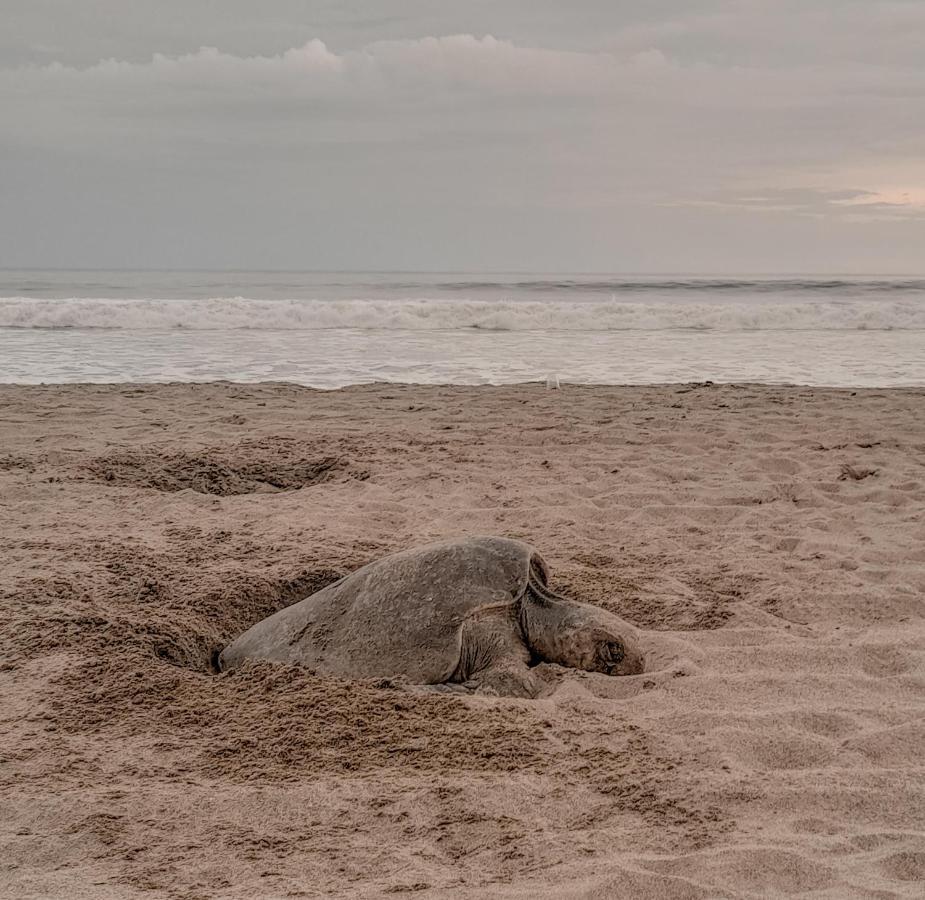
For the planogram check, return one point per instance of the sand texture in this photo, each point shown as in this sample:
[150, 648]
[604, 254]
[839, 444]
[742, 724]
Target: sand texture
[769, 541]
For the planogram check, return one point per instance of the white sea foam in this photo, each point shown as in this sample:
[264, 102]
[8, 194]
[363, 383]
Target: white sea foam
[418, 314]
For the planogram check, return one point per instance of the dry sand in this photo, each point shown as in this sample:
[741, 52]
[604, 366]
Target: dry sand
[771, 541]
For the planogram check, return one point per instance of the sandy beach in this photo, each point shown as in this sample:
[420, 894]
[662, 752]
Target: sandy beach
[769, 541]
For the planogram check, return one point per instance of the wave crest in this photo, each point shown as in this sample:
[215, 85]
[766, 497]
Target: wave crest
[224, 313]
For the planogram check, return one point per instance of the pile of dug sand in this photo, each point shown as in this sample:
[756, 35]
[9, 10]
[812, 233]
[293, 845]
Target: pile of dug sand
[770, 541]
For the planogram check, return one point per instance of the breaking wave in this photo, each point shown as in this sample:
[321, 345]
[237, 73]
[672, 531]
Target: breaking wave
[591, 315]
[586, 285]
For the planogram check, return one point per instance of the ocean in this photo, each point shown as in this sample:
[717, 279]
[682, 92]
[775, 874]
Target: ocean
[332, 329]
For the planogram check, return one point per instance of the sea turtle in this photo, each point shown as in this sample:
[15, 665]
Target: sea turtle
[470, 614]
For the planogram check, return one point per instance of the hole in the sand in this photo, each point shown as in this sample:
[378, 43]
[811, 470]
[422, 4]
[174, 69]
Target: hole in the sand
[233, 607]
[264, 466]
[185, 623]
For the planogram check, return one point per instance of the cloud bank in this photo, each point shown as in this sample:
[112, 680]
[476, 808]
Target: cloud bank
[765, 114]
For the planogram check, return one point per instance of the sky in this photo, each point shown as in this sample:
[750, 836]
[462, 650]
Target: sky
[513, 135]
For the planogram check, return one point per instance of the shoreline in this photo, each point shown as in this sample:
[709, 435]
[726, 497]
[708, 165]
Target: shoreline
[533, 383]
[766, 539]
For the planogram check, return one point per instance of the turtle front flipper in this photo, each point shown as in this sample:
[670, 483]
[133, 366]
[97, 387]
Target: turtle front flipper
[446, 687]
[493, 658]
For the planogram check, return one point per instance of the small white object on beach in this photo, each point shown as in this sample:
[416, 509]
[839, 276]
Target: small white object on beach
[552, 382]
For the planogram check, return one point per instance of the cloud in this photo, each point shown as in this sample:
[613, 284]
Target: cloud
[491, 81]
[447, 66]
[384, 90]
[613, 123]
[688, 117]
[455, 61]
[847, 205]
[896, 198]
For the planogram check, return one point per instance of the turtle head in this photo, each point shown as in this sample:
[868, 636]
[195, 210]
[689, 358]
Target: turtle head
[581, 636]
[608, 650]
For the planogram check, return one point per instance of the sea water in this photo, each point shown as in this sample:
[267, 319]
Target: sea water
[333, 329]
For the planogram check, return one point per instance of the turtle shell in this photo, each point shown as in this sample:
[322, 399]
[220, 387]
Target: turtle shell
[399, 616]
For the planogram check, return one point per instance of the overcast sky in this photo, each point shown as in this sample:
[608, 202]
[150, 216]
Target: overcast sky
[665, 136]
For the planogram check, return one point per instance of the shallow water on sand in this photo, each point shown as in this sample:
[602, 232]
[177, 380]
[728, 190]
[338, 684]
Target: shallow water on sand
[335, 358]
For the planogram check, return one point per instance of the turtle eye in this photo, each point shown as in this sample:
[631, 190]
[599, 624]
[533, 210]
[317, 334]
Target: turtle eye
[615, 651]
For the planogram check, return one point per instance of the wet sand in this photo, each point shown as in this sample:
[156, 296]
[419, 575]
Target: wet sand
[769, 541]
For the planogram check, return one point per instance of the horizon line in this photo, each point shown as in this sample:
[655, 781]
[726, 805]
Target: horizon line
[534, 272]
